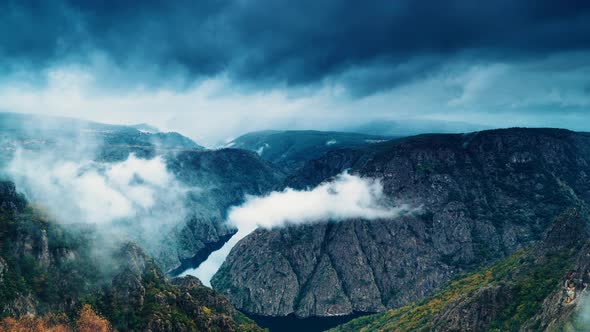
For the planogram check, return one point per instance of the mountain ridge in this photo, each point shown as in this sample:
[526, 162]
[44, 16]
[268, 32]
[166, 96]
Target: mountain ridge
[291, 149]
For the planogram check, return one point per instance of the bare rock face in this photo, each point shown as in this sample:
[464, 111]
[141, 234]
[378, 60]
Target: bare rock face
[22, 304]
[483, 196]
[128, 289]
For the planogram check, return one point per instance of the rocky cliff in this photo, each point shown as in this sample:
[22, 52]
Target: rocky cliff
[482, 195]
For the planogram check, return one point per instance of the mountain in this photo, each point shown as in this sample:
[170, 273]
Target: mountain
[482, 196]
[290, 149]
[411, 127]
[527, 291]
[48, 271]
[103, 141]
[220, 178]
[145, 128]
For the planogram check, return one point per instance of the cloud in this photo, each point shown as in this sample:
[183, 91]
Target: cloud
[283, 42]
[133, 199]
[346, 197]
[549, 92]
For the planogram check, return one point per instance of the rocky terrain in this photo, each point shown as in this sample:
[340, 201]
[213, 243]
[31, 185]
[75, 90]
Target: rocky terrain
[46, 269]
[483, 197]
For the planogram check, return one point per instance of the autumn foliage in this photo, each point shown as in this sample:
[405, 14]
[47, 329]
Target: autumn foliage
[30, 323]
[88, 321]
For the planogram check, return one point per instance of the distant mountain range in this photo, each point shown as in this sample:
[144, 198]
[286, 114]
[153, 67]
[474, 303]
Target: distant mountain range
[409, 127]
[291, 149]
[108, 142]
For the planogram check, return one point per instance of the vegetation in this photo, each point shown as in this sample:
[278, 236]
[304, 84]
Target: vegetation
[88, 321]
[531, 280]
[24, 273]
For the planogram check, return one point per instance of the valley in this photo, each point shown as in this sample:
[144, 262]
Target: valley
[463, 203]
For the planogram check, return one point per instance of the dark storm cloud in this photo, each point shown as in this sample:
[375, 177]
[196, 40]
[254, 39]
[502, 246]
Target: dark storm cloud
[370, 45]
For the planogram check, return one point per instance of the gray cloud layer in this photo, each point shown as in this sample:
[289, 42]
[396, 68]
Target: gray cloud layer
[373, 45]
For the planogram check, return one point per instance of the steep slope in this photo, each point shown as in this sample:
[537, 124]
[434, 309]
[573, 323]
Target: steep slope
[224, 177]
[522, 292]
[483, 196]
[46, 269]
[141, 298]
[292, 148]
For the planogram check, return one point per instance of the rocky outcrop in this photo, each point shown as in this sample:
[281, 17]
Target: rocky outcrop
[476, 312]
[566, 307]
[483, 196]
[11, 202]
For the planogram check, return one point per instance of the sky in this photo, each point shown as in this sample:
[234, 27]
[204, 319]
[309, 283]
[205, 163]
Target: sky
[214, 69]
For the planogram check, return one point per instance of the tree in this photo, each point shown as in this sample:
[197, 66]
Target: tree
[89, 321]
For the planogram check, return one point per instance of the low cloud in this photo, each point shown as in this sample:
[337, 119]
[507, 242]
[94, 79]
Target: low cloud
[581, 316]
[135, 199]
[346, 197]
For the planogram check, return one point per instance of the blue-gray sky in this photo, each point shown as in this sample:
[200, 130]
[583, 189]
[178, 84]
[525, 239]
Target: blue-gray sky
[214, 69]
